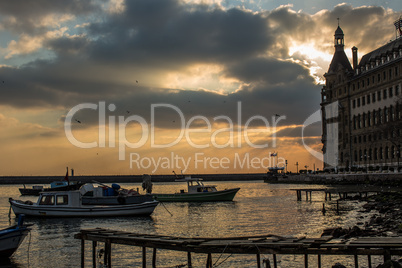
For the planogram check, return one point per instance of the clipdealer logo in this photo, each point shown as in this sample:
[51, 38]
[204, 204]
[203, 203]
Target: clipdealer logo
[238, 132]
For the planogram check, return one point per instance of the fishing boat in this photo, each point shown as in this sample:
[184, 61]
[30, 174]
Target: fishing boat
[54, 186]
[12, 237]
[69, 204]
[198, 192]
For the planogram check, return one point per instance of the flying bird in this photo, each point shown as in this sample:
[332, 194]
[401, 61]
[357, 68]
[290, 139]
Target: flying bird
[277, 115]
[136, 81]
[78, 121]
[128, 112]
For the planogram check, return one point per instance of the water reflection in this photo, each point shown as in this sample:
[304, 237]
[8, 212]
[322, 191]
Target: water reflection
[258, 208]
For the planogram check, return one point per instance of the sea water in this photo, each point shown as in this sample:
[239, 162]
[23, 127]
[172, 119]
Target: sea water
[258, 209]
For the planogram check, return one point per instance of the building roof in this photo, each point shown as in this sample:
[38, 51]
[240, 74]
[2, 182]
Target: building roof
[382, 51]
[339, 60]
[338, 31]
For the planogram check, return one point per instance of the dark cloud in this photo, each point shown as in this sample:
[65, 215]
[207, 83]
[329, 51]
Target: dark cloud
[157, 37]
[24, 16]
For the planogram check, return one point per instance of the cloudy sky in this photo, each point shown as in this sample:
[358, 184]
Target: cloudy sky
[214, 86]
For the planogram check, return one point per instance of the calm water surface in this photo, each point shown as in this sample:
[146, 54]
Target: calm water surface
[258, 208]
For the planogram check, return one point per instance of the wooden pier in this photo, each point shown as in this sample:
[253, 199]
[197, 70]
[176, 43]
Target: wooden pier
[252, 245]
[340, 193]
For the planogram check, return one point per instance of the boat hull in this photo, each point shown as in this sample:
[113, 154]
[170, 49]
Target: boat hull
[10, 239]
[143, 209]
[224, 195]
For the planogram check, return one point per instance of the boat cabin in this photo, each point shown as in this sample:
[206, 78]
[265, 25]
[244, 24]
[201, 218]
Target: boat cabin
[195, 185]
[68, 198]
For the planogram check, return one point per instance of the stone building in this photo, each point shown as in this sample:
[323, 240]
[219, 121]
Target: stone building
[361, 108]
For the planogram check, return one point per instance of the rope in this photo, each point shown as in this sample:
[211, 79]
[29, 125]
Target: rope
[166, 208]
[216, 265]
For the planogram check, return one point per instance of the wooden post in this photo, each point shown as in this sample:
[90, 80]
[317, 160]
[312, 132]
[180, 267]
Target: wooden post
[337, 206]
[94, 254]
[275, 264]
[144, 257]
[82, 253]
[209, 261]
[189, 260]
[306, 260]
[258, 260]
[319, 261]
[109, 254]
[154, 258]
[369, 261]
[387, 256]
[356, 261]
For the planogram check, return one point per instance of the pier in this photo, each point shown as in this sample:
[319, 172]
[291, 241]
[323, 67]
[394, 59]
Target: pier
[340, 192]
[253, 245]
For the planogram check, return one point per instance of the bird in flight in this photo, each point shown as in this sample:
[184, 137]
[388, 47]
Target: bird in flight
[78, 121]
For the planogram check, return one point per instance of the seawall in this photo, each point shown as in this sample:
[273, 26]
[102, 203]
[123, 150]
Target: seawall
[128, 178]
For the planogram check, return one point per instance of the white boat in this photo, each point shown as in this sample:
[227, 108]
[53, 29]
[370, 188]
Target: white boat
[198, 192]
[69, 204]
[12, 237]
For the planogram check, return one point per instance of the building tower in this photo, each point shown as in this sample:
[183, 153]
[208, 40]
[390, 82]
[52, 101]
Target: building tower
[334, 103]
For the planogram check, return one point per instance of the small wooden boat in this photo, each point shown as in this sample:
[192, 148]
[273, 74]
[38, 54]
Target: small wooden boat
[12, 237]
[69, 204]
[54, 186]
[198, 192]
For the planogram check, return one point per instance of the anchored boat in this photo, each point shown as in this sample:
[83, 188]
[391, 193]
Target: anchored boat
[198, 192]
[12, 237]
[69, 204]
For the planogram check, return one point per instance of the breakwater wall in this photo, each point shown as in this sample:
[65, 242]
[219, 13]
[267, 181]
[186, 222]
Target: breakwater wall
[345, 179]
[128, 178]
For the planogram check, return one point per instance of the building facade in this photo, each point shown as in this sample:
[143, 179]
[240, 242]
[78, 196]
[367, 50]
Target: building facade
[361, 109]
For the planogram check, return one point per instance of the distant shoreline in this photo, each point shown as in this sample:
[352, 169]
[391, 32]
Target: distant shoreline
[128, 178]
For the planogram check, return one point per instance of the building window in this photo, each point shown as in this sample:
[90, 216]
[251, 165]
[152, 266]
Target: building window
[390, 92]
[375, 121]
[355, 156]
[364, 120]
[386, 152]
[354, 123]
[362, 83]
[378, 95]
[390, 73]
[368, 119]
[373, 79]
[354, 103]
[358, 102]
[373, 95]
[381, 154]
[384, 75]
[358, 85]
[379, 116]
[375, 153]
[386, 115]
[359, 123]
[368, 81]
[368, 99]
[363, 100]
[353, 87]
[392, 113]
[378, 78]
[384, 95]
[396, 90]
[396, 71]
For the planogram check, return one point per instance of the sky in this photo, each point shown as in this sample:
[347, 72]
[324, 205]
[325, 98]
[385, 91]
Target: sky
[147, 87]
